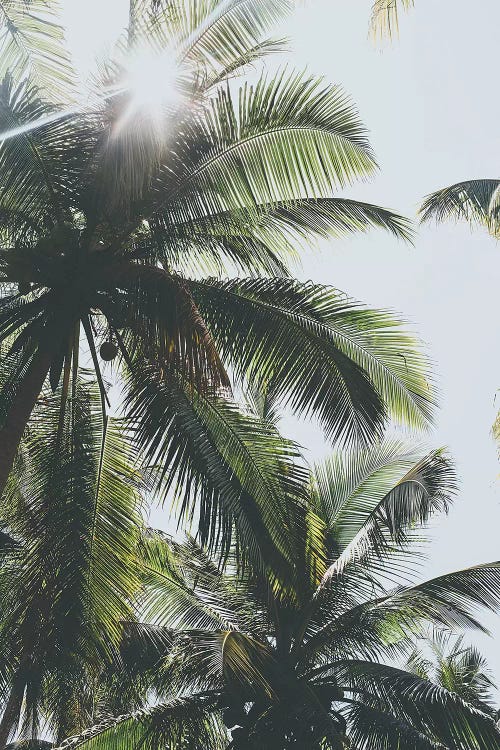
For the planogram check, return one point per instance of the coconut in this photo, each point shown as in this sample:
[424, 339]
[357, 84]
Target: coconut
[108, 351]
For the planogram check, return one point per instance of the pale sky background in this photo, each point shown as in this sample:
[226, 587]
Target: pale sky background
[430, 102]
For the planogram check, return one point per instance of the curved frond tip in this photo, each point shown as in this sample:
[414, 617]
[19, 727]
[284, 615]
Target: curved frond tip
[385, 15]
[475, 201]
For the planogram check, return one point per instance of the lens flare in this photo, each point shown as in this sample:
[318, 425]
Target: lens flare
[28, 127]
[152, 82]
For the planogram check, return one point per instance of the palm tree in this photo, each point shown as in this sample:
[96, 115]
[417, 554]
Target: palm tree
[447, 661]
[67, 580]
[259, 660]
[113, 210]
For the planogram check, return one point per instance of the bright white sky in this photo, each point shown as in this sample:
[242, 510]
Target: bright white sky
[430, 103]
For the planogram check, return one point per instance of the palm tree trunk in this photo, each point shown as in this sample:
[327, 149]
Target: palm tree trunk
[20, 411]
[12, 712]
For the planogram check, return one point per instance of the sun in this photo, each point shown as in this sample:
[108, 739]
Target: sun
[151, 82]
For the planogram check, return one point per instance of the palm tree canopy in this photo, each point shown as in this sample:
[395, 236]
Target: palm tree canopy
[257, 661]
[455, 666]
[68, 581]
[112, 213]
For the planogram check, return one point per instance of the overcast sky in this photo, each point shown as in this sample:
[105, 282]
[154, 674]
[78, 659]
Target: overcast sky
[430, 102]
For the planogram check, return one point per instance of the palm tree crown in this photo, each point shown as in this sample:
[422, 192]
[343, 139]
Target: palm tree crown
[306, 658]
[462, 669]
[111, 215]
[272, 623]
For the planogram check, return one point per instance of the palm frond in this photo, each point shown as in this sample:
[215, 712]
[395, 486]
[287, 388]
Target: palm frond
[334, 217]
[289, 138]
[217, 40]
[449, 601]
[459, 668]
[184, 593]
[372, 499]
[42, 167]
[328, 357]
[214, 33]
[354, 631]
[469, 200]
[28, 160]
[385, 16]
[229, 468]
[265, 238]
[243, 60]
[32, 46]
[418, 664]
[430, 709]
[468, 675]
[114, 530]
[91, 537]
[14, 367]
[262, 400]
[75, 511]
[370, 728]
[131, 676]
[224, 660]
[165, 324]
[203, 248]
[188, 721]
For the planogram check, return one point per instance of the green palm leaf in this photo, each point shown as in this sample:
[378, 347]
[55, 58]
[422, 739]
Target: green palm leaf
[459, 668]
[206, 660]
[73, 506]
[373, 498]
[233, 468]
[164, 323]
[256, 153]
[181, 721]
[238, 64]
[32, 46]
[265, 238]
[212, 33]
[326, 355]
[334, 217]
[180, 592]
[448, 601]
[429, 708]
[114, 528]
[451, 599]
[371, 728]
[30, 162]
[471, 200]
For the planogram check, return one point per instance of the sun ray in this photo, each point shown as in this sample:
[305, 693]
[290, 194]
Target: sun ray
[40, 122]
